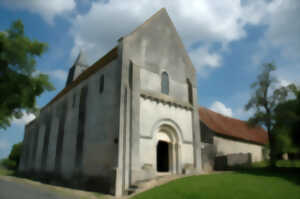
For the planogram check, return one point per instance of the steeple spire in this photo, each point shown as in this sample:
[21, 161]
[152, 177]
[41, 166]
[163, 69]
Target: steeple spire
[78, 67]
[81, 59]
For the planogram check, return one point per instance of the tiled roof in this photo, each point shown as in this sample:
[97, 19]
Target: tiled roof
[101, 63]
[231, 127]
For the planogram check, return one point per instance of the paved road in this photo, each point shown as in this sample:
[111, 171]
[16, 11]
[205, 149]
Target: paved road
[11, 189]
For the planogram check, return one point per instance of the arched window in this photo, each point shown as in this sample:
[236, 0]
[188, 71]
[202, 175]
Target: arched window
[190, 91]
[165, 83]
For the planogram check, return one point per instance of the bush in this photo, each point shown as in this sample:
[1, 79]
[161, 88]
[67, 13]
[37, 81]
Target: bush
[15, 153]
[13, 160]
[9, 164]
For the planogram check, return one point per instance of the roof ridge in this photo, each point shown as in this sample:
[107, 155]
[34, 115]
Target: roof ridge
[147, 21]
[232, 118]
[223, 115]
[212, 119]
[100, 63]
[232, 127]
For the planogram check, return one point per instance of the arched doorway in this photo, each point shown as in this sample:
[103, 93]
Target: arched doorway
[162, 156]
[167, 150]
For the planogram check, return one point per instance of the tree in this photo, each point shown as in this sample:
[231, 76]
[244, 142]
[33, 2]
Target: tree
[264, 102]
[13, 160]
[287, 124]
[20, 82]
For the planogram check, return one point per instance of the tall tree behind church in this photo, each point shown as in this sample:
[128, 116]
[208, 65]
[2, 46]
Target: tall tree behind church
[264, 100]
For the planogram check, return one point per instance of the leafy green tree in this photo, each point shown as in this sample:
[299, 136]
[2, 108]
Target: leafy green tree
[283, 140]
[287, 124]
[264, 101]
[20, 83]
[13, 160]
[15, 153]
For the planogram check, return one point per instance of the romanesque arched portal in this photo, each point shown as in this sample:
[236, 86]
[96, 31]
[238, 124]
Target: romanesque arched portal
[167, 144]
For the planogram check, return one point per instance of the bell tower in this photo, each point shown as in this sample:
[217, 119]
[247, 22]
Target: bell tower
[78, 67]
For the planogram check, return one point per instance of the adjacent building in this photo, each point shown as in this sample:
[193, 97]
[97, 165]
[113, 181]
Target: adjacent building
[223, 136]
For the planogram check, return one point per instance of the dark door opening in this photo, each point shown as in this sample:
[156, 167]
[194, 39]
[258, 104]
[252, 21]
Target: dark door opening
[162, 156]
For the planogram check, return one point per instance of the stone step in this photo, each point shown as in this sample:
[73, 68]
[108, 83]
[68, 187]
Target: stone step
[148, 184]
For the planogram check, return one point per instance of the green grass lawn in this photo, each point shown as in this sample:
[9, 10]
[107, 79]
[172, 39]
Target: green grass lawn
[279, 163]
[258, 183]
[255, 183]
[288, 163]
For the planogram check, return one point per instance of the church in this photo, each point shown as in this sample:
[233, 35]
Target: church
[131, 116]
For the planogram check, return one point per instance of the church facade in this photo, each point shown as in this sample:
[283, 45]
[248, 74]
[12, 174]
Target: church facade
[129, 117]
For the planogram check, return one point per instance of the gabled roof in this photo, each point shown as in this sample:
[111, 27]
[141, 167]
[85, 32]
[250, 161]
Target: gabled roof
[101, 63]
[231, 127]
[158, 24]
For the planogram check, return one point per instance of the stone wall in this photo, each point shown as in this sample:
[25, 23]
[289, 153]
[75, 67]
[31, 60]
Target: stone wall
[226, 146]
[152, 82]
[100, 141]
[232, 161]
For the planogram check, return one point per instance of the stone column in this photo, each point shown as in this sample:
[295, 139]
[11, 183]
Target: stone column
[120, 170]
[35, 143]
[22, 165]
[30, 149]
[38, 159]
[196, 133]
[173, 158]
[178, 158]
[134, 82]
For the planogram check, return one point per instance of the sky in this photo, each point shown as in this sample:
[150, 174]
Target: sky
[228, 41]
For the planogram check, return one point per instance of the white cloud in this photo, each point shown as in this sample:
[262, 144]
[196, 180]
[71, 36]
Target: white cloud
[24, 120]
[202, 58]
[284, 27]
[206, 22]
[47, 9]
[288, 74]
[219, 107]
[242, 114]
[237, 102]
[58, 74]
[281, 38]
[283, 82]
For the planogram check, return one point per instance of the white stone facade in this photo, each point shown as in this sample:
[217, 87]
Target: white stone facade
[178, 119]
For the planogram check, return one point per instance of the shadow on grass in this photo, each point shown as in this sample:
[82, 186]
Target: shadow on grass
[291, 174]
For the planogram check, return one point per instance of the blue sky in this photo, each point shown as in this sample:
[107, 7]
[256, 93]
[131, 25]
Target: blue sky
[226, 40]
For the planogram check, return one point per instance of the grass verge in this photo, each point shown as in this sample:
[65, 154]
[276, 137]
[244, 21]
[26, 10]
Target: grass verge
[258, 182]
[6, 172]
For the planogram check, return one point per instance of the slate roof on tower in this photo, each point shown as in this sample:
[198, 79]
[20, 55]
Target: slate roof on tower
[81, 59]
